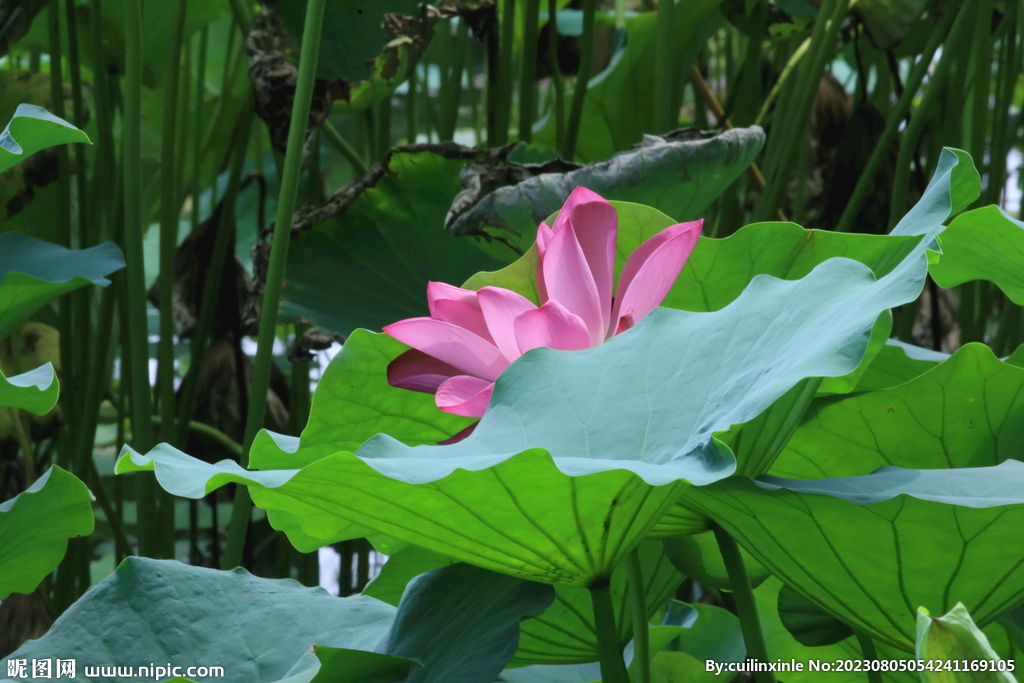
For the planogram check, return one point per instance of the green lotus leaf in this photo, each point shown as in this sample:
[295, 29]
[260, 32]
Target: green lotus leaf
[872, 549]
[954, 636]
[689, 637]
[618, 107]
[31, 129]
[698, 557]
[559, 435]
[552, 673]
[565, 632]
[965, 412]
[808, 624]
[36, 391]
[35, 527]
[897, 363]
[370, 266]
[460, 623]
[984, 244]
[648, 175]
[954, 186]
[781, 645]
[33, 273]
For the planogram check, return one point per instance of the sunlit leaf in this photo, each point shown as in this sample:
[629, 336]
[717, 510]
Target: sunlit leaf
[32, 129]
[36, 391]
[984, 244]
[954, 637]
[35, 527]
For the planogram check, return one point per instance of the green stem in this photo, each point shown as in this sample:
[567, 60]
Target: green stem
[638, 599]
[613, 667]
[451, 96]
[299, 396]
[101, 188]
[503, 94]
[241, 14]
[556, 74]
[169, 210]
[197, 123]
[346, 149]
[528, 79]
[222, 439]
[908, 142]
[275, 271]
[867, 648]
[136, 318]
[743, 595]
[410, 104]
[664, 68]
[866, 181]
[783, 79]
[579, 93]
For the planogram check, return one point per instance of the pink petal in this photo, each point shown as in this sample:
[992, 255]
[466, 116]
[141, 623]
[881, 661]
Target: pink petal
[464, 395]
[500, 308]
[569, 281]
[552, 326]
[452, 344]
[466, 317]
[417, 371]
[544, 235]
[652, 269]
[595, 223]
[455, 438]
[440, 291]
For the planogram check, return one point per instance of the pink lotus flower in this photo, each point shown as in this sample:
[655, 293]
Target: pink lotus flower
[471, 336]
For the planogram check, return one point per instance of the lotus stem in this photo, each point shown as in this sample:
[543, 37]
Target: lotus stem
[867, 177]
[136, 317]
[867, 648]
[638, 598]
[197, 123]
[503, 94]
[346, 149]
[613, 667]
[275, 272]
[908, 143]
[528, 80]
[579, 93]
[556, 74]
[746, 607]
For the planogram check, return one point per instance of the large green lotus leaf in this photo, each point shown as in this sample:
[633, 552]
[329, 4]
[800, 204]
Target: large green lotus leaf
[552, 673]
[688, 638]
[679, 178]
[460, 623]
[954, 186]
[872, 549]
[984, 244]
[35, 527]
[965, 412]
[619, 104]
[896, 363]
[353, 43]
[565, 632]
[612, 434]
[31, 129]
[36, 391]
[370, 266]
[782, 645]
[33, 273]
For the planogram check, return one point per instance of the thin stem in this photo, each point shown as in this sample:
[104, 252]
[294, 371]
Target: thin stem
[343, 146]
[582, 80]
[451, 96]
[410, 104]
[169, 209]
[275, 271]
[743, 595]
[664, 67]
[641, 635]
[867, 648]
[241, 14]
[613, 667]
[528, 79]
[135, 319]
[908, 143]
[556, 73]
[866, 181]
[503, 91]
[197, 123]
